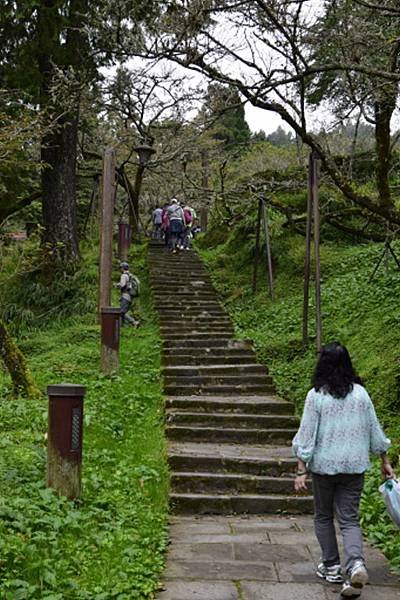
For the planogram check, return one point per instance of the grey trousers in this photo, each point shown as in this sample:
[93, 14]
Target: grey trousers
[338, 495]
[125, 306]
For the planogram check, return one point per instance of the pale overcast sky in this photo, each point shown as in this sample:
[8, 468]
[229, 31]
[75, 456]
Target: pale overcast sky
[265, 120]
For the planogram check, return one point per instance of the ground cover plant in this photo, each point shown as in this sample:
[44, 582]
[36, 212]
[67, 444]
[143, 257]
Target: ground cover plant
[111, 543]
[362, 315]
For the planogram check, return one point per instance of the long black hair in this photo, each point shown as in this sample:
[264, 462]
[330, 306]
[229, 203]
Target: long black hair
[334, 372]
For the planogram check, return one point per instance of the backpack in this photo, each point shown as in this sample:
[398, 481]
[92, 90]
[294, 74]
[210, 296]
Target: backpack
[133, 286]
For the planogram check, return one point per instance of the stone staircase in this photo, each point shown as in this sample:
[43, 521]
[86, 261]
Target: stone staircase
[229, 435]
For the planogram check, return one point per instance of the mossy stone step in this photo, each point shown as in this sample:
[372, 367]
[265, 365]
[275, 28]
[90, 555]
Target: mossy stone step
[216, 389]
[223, 465]
[230, 483]
[172, 359]
[230, 405]
[207, 341]
[227, 369]
[224, 434]
[231, 421]
[218, 504]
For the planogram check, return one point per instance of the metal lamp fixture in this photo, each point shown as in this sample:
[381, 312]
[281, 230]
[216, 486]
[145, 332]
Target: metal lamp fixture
[145, 152]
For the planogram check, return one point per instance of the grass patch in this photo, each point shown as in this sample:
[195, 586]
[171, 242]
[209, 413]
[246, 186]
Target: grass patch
[111, 544]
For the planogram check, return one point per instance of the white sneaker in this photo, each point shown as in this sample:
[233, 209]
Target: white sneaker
[350, 591]
[331, 574]
[358, 578]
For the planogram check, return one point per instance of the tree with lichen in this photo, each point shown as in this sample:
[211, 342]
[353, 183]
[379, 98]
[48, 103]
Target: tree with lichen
[16, 365]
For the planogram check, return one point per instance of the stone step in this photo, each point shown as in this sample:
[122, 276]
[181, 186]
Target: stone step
[216, 464]
[190, 302]
[188, 317]
[184, 330]
[163, 292]
[197, 334]
[221, 389]
[191, 308]
[195, 279]
[202, 504]
[190, 371]
[230, 349]
[205, 358]
[180, 290]
[199, 342]
[193, 312]
[232, 435]
[219, 378]
[231, 421]
[195, 325]
[187, 482]
[165, 257]
[247, 404]
[162, 270]
[186, 297]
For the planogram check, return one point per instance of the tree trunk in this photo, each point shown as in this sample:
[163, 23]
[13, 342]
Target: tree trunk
[16, 365]
[383, 115]
[134, 192]
[59, 147]
[59, 190]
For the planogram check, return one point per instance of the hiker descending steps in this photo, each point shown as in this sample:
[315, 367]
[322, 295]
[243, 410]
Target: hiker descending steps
[129, 288]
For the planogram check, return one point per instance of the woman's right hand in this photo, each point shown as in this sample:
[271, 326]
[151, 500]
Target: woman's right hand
[300, 484]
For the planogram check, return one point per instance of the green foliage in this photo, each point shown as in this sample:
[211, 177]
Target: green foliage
[362, 315]
[110, 544]
[33, 292]
[224, 103]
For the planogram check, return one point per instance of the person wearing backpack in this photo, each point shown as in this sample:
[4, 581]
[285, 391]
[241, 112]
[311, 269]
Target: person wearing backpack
[129, 288]
[186, 233]
[176, 224]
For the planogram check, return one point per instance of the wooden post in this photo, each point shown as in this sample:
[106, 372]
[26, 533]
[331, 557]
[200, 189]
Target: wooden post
[110, 334]
[64, 442]
[124, 240]
[268, 245]
[316, 214]
[307, 266]
[203, 218]
[257, 248]
[106, 228]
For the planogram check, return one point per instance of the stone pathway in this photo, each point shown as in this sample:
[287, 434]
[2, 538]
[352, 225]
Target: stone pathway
[229, 453]
[256, 558]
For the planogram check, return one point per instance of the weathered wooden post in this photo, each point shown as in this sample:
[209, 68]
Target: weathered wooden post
[110, 335]
[64, 442]
[269, 254]
[124, 239]
[257, 248]
[203, 218]
[307, 266]
[106, 228]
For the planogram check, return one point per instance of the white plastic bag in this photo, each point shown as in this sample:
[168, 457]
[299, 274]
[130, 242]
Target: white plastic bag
[390, 491]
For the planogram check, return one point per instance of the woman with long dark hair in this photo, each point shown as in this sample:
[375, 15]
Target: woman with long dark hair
[338, 430]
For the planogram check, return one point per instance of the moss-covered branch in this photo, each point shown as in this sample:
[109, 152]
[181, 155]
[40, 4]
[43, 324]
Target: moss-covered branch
[16, 365]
